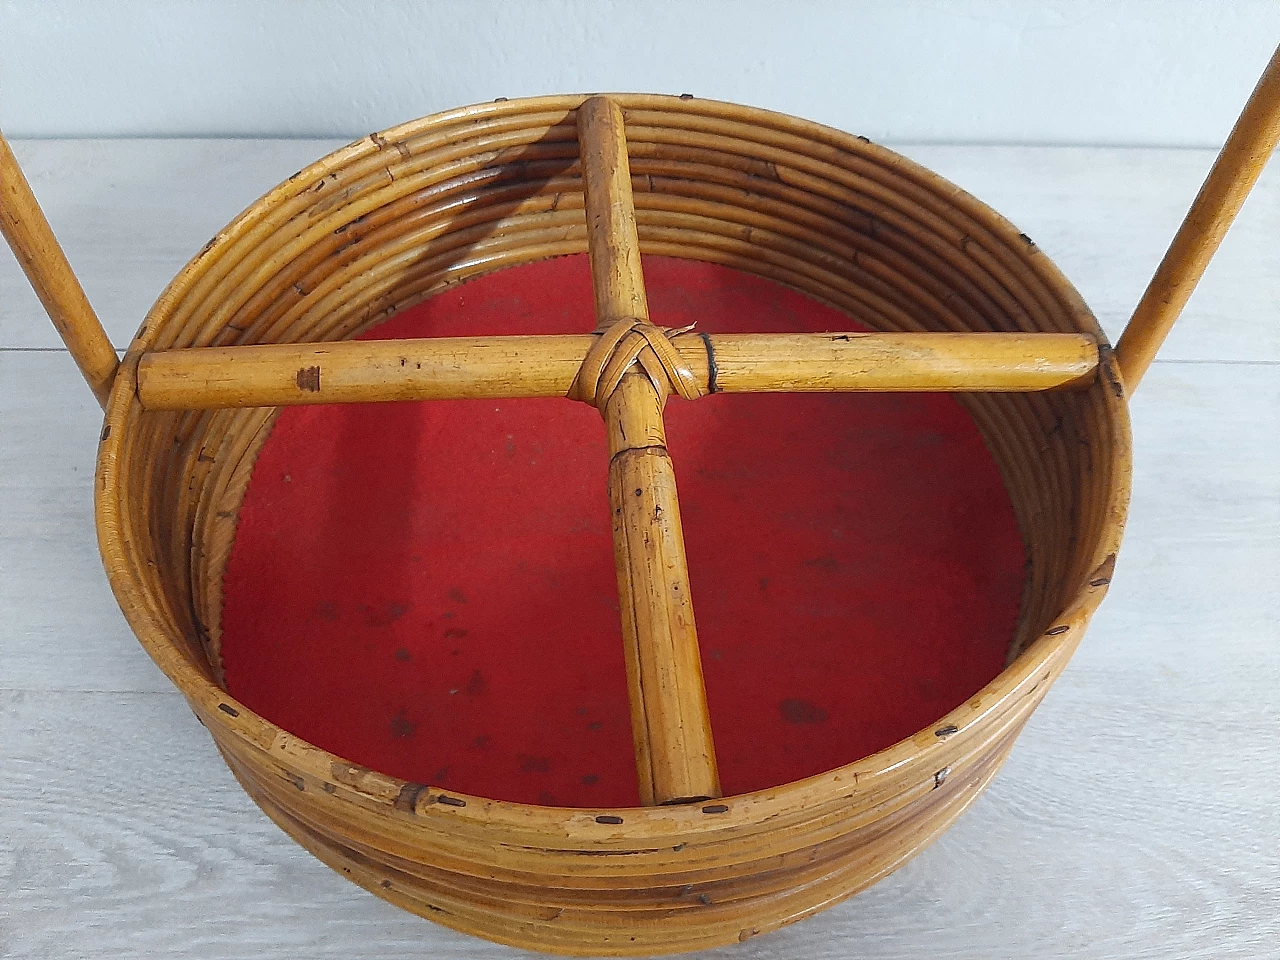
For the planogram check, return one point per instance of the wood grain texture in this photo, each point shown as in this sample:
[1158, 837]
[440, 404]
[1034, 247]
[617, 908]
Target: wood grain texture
[1132, 820]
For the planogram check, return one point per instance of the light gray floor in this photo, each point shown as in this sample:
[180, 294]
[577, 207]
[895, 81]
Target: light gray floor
[1139, 815]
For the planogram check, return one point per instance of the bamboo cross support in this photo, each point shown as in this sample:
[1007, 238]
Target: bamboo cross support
[444, 368]
[671, 726]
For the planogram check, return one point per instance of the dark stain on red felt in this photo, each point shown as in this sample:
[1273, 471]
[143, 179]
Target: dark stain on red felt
[431, 591]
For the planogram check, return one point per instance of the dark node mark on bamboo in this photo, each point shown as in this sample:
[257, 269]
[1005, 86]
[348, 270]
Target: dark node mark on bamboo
[946, 731]
[407, 799]
[1028, 241]
[842, 337]
[500, 99]
[228, 709]
[386, 884]
[297, 781]
[686, 96]
[106, 432]
[607, 819]
[330, 787]
[704, 900]
[713, 369]
[716, 808]
[677, 848]
[940, 777]
[1054, 631]
[1107, 367]
[225, 514]
[744, 935]
[309, 379]
[638, 491]
[450, 801]
[862, 139]
[1102, 575]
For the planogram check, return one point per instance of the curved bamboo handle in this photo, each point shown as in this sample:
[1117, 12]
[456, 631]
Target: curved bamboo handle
[25, 227]
[1232, 176]
[675, 757]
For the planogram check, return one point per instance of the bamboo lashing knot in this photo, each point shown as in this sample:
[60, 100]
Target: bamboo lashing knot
[629, 341]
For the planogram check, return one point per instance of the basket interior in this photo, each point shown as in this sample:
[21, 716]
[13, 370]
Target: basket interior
[375, 228]
[428, 589]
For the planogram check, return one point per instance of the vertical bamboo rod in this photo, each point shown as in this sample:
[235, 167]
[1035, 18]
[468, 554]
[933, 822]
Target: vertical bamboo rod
[671, 726]
[28, 233]
[1232, 176]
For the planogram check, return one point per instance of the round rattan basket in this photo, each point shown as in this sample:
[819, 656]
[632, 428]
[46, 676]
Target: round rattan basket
[956, 298]
[400, 215]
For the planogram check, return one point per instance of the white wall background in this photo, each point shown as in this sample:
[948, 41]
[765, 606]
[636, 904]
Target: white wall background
[1115, 72]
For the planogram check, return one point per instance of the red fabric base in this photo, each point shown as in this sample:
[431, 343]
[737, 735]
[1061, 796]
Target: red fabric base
[428, 588]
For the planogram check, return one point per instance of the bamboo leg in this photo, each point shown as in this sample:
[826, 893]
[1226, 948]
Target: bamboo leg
[25, 227]
[1231, 178]
[675, 757]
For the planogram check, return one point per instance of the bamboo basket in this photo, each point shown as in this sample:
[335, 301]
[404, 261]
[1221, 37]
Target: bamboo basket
[403, 214]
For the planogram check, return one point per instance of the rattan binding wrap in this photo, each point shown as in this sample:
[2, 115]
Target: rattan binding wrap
[400, 215]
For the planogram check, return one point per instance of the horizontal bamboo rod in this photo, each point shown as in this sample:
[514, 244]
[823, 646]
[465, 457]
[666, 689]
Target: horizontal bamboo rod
[445, 368]
[28, 232]
[1232, 176]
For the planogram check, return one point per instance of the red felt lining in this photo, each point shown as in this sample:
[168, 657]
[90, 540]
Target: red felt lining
[428, 588]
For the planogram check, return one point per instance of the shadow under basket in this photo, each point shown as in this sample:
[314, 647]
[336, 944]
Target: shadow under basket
[409, 654]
